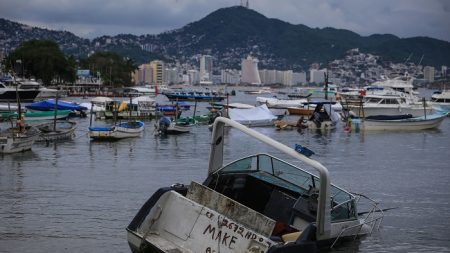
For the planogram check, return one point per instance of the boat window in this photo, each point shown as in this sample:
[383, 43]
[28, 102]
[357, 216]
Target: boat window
[246, 164]
[342, 205]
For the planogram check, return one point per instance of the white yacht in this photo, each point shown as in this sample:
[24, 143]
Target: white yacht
[389, 103]
[441, 100]
[44, 92]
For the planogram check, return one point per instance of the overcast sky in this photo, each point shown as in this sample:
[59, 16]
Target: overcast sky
[92, 18]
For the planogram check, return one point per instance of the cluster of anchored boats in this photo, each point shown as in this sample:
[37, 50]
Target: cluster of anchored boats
[257, 203]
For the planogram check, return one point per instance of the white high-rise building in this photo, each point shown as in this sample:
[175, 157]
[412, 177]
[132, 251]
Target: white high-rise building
[143, 75]
[249, 71]
[428, 73]
[206, 68]
[229, 76]
[193, 77]
[298, 78]
[317, 76]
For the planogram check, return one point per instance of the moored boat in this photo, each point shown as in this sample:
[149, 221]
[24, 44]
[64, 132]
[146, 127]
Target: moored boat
[17, 139]
[258, 203]
[165, 126]
[441, 100]
[56, 131]
[404, 123]
[118, 131]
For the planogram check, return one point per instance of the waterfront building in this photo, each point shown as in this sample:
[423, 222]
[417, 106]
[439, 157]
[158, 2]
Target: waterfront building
[171, 76]
[249, 70]
[317, 75]
[444, 71]
[206, 68]
[229, 76]
[158, 72]
[143, 75]
[428, 73]
[193, 77]
[298, 78]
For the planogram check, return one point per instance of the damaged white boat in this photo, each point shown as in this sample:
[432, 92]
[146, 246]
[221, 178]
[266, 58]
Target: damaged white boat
[255, 204]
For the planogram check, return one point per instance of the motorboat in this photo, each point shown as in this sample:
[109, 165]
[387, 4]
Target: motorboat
[165, 126]
[388, 103]
[257, 203]
[137, 91]
[44, 92]
[264, 90]
[280, 103]
[403, 122]
[441, 100]
[9, 94]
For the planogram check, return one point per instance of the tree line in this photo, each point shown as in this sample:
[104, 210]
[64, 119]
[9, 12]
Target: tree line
[44, 60]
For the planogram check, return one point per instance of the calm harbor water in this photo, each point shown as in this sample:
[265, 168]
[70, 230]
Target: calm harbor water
[79, 196]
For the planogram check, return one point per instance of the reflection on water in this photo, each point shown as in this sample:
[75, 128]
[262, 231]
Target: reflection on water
[79, 196]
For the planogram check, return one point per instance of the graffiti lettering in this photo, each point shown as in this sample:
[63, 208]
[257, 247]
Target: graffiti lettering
[222, 237]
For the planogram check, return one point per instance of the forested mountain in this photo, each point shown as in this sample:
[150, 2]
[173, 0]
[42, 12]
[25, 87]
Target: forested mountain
[230, 34]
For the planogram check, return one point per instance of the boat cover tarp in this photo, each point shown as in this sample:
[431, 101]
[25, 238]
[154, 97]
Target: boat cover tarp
[334, 116]
[49, 105]
[389, 117]
[248, 116]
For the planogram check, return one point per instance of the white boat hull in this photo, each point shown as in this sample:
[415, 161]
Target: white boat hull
[115, 132]
[394, 110]
[402, 125]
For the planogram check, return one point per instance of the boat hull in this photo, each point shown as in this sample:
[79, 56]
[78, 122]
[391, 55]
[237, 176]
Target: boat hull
[64, 131]
[394, 110]
[117, 132]
[14, 143]
[24, 95]
[412, 124]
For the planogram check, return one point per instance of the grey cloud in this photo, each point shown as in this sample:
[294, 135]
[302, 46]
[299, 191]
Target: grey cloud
[405, 18]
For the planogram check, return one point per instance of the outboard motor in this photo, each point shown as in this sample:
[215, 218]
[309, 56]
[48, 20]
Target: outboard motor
[164, 123]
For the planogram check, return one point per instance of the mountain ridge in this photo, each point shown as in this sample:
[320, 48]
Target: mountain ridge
[229, 34]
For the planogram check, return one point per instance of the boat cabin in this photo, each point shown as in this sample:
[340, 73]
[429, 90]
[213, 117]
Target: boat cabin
[280, 191]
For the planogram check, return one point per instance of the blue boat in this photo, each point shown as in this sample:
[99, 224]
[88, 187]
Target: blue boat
[193, 96]
[49, 105]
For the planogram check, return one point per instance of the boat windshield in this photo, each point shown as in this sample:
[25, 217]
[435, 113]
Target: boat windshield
[282, 174]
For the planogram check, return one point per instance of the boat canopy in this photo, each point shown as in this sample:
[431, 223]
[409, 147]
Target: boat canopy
[49, 105]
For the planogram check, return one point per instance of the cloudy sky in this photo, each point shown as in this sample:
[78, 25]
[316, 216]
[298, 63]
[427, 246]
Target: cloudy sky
[92, 18]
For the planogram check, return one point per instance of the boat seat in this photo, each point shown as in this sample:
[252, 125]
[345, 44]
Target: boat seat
[291, 237]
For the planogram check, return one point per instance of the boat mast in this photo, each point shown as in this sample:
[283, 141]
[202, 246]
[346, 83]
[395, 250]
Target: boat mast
[56, 111]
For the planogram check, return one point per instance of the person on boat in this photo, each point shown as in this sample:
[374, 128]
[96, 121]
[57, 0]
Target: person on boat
[301, 122]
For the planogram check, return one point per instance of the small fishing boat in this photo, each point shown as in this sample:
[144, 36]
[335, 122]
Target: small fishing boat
[118, 131]
[56, 131]
[165, 126]
[403, 122]
[17, 139]
[258, 203]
